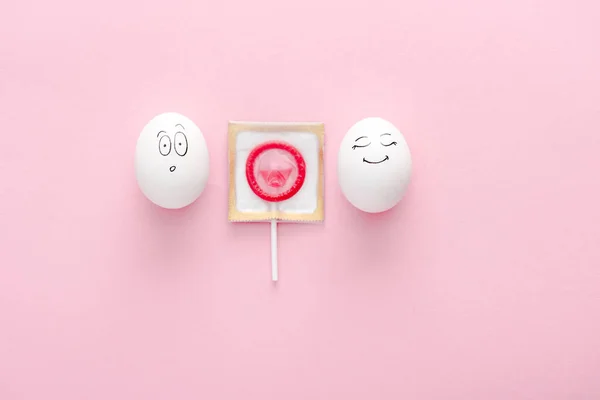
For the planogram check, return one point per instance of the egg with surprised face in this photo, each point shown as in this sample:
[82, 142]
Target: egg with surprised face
[171, 161]
[374, 165]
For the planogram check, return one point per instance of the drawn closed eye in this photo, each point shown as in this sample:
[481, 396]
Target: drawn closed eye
[361, 143]
[386, 145]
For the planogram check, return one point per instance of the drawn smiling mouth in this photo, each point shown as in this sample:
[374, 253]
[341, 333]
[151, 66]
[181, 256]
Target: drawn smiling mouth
[375, 162]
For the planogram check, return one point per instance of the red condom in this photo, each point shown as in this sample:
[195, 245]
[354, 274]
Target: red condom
[275, 171]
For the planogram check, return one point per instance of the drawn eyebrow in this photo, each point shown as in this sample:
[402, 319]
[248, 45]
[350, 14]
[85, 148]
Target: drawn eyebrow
[182, 127]
[158, 134]
[383, 134]
[362, 137]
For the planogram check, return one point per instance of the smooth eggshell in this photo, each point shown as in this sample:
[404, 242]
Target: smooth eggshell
[374, 165]
[171, 161]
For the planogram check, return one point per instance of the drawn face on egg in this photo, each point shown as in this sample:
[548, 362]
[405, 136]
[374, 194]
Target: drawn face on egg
[374, 165]
[171, 161]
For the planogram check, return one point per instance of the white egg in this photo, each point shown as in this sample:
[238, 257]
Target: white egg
[171, 161]
[374, 165]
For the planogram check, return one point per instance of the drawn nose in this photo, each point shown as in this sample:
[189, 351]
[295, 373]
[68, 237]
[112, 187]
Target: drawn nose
[172, 168]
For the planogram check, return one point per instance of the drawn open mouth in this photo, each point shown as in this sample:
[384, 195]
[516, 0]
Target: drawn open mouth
[375, 162]
[172, 168]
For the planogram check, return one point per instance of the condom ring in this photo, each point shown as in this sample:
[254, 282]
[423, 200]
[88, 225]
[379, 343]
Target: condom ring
[275, 171]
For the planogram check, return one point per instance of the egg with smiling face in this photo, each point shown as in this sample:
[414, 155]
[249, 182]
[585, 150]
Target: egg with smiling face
[171, 161]
[374, 165]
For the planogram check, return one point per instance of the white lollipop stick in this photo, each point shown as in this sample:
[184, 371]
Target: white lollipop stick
[274, 272]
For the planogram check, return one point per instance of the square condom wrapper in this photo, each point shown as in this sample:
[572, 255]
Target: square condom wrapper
[304, 206]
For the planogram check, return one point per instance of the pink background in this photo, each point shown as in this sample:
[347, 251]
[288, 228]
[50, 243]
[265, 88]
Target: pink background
[483, 284]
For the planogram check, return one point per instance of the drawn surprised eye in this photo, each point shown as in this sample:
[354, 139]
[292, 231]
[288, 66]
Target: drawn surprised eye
[181, 144]
[164, 145]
